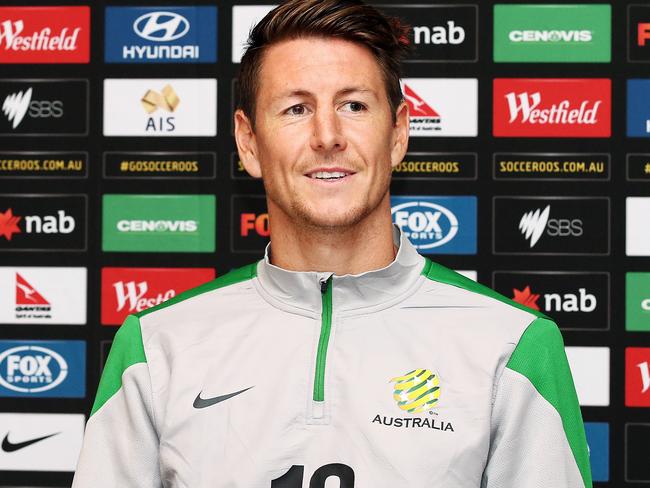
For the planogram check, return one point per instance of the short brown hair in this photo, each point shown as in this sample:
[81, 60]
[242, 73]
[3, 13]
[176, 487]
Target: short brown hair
[351, 20]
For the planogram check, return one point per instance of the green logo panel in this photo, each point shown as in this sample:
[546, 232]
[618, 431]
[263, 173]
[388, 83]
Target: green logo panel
[552, 33]
[637, 302]
[158, 223]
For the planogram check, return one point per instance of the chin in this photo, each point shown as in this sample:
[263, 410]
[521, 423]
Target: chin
[325, 218]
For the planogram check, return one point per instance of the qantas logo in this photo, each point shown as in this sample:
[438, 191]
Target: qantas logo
[134, 294]
[26, 294]
[533, 223]
[523, 108]
[417, 106]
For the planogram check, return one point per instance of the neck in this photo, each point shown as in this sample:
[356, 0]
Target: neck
[366, 246]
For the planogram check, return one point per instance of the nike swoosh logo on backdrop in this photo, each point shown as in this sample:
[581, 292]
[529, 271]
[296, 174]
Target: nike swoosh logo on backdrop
[8, 446]
[208, 402]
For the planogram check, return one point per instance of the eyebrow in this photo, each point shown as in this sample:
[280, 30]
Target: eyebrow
[307, 93]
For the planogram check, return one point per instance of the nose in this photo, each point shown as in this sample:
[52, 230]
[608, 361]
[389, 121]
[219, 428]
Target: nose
[327, 135]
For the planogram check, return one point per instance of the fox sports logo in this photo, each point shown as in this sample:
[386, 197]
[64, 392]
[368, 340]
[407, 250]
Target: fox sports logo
[426, 224]
[32, 369]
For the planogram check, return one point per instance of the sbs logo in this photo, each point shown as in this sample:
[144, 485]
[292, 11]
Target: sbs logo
[427, 225]
[32, 369]
[161, 26]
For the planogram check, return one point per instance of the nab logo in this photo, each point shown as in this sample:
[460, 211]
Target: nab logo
[61, 223]
[161, 26]
[433, 224]
[535, 223]
[166, 101]
[637, 377]
[46, 224]
[17, 105]
[556, 302]
[253, 223]
[439, 35]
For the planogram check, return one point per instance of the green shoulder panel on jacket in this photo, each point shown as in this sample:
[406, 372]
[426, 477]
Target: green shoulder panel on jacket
[540, 357]
[437, 272]
[128, 348]
[238, 275]
[126, 351]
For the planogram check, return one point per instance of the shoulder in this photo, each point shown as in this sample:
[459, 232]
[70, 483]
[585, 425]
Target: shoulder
[478, 305]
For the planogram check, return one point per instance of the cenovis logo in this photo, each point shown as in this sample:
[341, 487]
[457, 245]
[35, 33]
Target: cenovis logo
[32, 369]
[427, 225]
[161, 26]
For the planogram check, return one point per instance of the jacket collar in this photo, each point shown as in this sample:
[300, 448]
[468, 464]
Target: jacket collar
[301, 291]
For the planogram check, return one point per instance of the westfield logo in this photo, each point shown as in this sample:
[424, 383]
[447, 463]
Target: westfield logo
[133, 294]
[524, 108]
[548, 107]
[44, 40]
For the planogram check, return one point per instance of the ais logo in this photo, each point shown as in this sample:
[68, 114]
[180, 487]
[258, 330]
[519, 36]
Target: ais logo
[160, 107]
[43, 369]
[437, 225]
[161, 35]
[131, 290]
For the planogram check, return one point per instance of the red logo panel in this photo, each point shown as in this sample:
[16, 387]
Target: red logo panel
[132, 290]
[552, 107]
[637, 377]
[45, 34]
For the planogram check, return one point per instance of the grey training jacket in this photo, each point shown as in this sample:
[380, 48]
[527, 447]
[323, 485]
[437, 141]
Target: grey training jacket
[410, 376]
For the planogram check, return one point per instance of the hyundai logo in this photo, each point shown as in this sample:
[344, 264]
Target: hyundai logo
[161, 26]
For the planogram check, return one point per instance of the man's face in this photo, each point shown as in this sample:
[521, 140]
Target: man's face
[324, 139]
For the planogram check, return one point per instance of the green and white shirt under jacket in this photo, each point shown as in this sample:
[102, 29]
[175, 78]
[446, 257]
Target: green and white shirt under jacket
[410, 376]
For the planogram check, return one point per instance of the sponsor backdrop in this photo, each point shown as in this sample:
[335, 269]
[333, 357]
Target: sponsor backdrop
[120, 187]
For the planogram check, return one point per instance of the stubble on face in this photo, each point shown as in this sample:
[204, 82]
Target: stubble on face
[324, 66]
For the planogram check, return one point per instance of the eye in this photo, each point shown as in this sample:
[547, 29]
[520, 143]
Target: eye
[355, 106]
[296, 110]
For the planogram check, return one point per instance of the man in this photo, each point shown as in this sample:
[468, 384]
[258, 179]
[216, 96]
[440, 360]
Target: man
[343, 354]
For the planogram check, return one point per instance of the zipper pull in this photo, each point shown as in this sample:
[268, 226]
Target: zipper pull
[323, 286]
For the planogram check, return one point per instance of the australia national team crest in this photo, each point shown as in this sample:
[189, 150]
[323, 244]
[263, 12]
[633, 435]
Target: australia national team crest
[415, 392]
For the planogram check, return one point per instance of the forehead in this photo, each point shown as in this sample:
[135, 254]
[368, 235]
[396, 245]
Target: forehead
[318, 65]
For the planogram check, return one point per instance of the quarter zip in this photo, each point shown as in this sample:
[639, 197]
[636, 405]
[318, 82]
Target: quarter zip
[323, 341]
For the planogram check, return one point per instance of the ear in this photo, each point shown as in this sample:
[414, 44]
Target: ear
[400, 137]
[247, 144]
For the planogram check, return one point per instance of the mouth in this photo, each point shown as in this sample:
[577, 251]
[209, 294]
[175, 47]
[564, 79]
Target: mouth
[329, 175]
